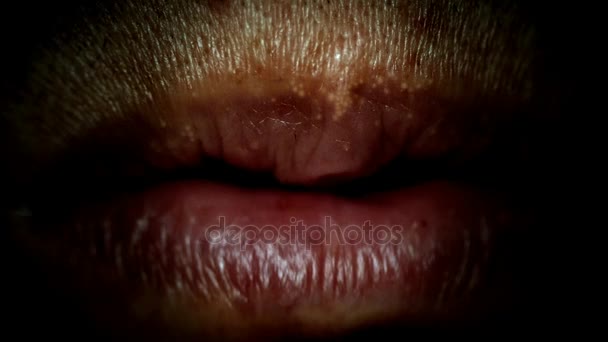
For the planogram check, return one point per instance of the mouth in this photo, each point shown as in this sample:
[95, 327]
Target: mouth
[278, 202]
[315, 229]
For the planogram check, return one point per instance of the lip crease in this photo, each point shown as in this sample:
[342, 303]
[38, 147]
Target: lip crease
[302, 131]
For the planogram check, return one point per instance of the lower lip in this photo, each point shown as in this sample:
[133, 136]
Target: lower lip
[252, 259]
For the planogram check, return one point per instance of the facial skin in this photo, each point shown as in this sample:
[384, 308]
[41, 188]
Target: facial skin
[129, 59]
[144, 63]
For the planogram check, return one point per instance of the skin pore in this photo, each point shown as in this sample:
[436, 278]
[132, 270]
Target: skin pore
[307, 91]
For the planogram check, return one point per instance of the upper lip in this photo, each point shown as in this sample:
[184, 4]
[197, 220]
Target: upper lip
[302, 139]
[279, 133]
[158, 90]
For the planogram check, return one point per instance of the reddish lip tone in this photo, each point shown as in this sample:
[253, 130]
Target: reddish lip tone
[308, 130]
[313, 133]
[182, 242]
[157, 244]
[160, 241]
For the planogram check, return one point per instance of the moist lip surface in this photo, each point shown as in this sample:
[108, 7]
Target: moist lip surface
[208, 258]
[204, 257]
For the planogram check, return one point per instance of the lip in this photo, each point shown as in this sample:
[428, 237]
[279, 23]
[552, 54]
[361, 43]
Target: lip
[304, 130]
[152, 244]
[301, 131]
[184, 248]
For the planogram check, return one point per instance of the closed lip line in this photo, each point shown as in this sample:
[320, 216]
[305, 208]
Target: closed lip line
[232, 282]
[300, 130]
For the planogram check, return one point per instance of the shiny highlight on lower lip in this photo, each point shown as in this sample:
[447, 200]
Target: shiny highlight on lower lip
[159, 242]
